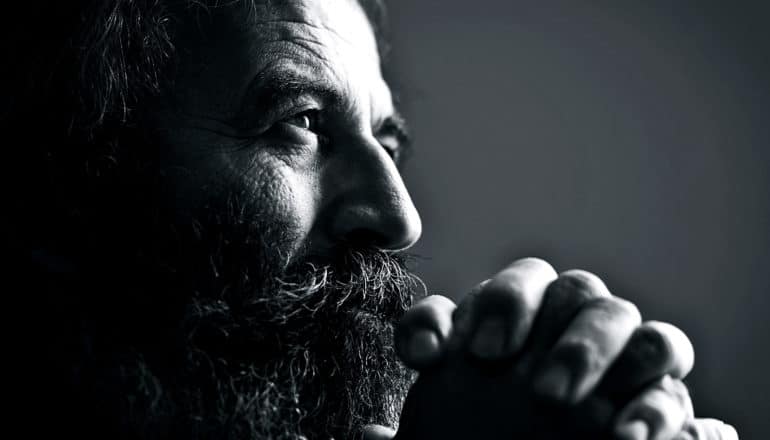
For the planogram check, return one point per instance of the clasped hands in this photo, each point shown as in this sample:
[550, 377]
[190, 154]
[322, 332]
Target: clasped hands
[532, 354]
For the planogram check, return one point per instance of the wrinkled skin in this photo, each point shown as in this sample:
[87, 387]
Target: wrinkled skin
[287, 103]
[533, 354]
[284, 105]
[323, 152]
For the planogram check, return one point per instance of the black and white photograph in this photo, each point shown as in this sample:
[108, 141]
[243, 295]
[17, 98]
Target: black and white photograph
[386, 219]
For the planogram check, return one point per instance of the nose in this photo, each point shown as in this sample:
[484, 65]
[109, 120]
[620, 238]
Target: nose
[366, 201]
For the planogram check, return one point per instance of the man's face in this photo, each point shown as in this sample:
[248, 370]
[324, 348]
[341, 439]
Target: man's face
[278, 150]
[285, 103]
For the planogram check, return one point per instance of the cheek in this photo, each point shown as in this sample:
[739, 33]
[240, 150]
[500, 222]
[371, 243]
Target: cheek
[282, 195]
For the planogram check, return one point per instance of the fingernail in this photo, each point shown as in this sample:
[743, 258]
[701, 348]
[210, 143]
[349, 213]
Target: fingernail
[554, 383]
[489, 339]
[423, 346]
[632, 430]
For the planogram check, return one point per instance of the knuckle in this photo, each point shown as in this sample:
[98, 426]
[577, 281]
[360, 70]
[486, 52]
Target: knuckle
[660, 410]
[581, 282]
[614, 309]
[627, 308]
[534, 261]
[437, 308]
[674, 386]
[678, 391]
[713, 429]
[728, 432]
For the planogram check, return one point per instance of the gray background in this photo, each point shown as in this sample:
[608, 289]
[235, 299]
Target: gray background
[626, 138]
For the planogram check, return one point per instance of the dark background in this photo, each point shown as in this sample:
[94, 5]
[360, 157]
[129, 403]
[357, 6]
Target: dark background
[627, 138]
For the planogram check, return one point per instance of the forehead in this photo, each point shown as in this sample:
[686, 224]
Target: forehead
[333, 22]
[330, 40]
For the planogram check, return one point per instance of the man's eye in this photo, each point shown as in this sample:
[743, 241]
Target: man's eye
[301, 128]
[307, 120]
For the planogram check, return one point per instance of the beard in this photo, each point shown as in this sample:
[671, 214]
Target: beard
[212, 332]
[312, 358]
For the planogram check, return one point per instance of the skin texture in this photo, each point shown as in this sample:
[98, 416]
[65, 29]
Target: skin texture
[282, 106]
[334, 180]
[581, 358]
[321, 159]
[281, 114]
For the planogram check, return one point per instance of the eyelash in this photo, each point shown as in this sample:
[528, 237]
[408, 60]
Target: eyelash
[314, 126]
[311, 115]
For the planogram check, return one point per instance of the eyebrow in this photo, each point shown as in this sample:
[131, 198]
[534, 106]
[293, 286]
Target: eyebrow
[274, 83]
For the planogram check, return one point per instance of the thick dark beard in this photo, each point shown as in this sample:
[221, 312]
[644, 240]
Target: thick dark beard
[257, 350]
[192, 326]
[312, 356]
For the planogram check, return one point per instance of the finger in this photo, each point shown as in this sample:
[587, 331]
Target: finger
[462, 317]
[589, 345]
[563, 299]
[495, 322]
[423, 330]
[654, 350]
[707, 429]
[378, 432]
[658, 413]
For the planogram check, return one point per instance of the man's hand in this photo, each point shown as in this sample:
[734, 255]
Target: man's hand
[533, 354]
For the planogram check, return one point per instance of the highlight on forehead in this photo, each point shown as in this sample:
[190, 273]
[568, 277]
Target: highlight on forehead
[244, 13]
[281, 78]
[375, 11]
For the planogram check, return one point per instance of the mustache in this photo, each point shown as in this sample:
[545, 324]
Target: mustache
[367, 280]
[353, 284]
[316, 341]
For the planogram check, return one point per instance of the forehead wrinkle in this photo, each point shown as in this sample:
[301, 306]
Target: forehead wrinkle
[316, 43]
[304, 44]
[302, 63]
[342, 45]
[343, 22]
[317, 53]
[298, 22]
[323, 15]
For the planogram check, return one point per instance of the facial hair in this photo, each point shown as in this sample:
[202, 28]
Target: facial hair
[313, 358]
[233, 343]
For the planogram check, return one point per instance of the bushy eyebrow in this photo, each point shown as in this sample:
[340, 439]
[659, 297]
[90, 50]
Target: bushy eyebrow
[272, 85]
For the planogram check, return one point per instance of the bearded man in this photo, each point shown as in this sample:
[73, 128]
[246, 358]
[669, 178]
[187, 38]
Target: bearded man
[209, 244]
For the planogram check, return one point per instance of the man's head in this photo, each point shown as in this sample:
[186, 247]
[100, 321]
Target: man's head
[286, 101]
[226, 194]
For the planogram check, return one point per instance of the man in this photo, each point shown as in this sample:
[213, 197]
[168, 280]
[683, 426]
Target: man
[210, 245]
